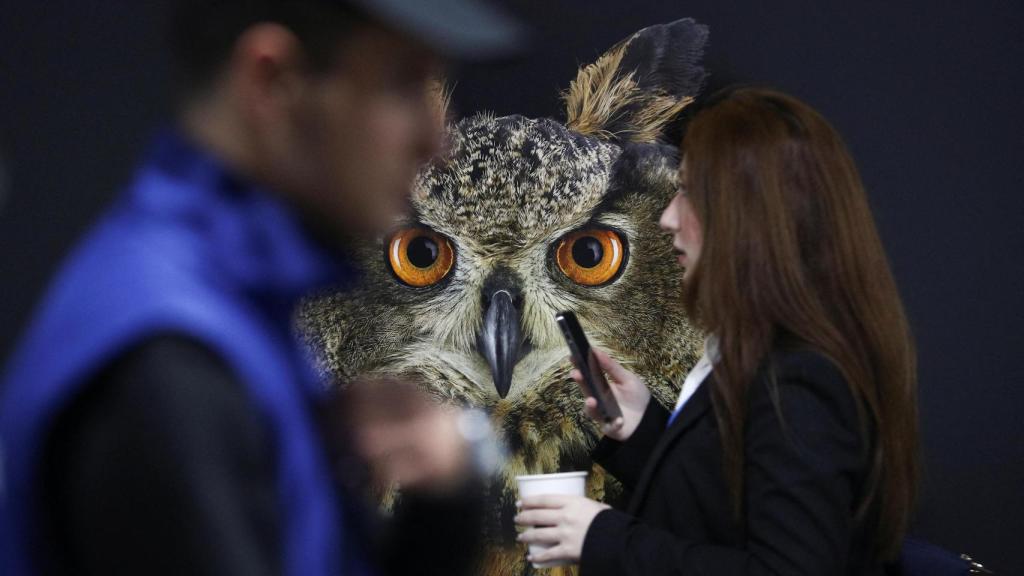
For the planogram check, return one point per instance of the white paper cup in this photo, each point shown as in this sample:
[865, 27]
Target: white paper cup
[568, 483]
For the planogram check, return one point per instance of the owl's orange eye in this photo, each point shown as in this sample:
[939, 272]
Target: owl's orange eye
[590, 257]
[419, 256]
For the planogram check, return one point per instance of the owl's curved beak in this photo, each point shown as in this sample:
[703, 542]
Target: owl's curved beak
[500, 339]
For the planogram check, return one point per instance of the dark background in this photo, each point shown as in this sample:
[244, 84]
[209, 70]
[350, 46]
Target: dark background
[929, 99]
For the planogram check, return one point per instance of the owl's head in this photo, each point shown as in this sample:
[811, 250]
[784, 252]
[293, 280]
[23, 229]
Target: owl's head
[522, 219]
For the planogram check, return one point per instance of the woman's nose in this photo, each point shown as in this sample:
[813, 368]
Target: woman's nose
[669, 220]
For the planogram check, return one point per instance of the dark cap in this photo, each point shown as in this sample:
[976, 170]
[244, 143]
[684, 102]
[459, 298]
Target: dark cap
[460, 29]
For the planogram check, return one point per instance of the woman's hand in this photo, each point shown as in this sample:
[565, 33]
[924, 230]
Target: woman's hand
[630, 392]
[559, 522]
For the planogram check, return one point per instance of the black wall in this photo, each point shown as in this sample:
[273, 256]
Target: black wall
[928, 97]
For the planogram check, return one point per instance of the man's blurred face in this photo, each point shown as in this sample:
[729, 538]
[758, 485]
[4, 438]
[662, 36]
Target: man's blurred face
[359, 132]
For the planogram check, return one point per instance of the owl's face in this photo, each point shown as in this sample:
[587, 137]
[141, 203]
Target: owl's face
[525, 218]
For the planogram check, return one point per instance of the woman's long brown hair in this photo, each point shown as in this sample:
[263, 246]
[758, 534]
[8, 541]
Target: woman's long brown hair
[790, 250]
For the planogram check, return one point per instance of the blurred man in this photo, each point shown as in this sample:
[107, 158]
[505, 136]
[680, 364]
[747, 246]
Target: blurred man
[158, 417]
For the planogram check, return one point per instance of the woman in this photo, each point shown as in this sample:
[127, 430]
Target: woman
[792, 449]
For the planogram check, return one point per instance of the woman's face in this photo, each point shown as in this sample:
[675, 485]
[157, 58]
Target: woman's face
[680, 220]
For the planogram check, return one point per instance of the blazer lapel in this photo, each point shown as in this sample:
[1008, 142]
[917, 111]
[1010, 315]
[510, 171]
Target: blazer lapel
[692, 411]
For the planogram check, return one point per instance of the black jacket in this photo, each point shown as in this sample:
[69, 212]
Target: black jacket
[162, 467]
[802, 482]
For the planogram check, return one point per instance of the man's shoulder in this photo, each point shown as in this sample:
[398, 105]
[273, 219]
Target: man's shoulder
[175, 362]
[165, 384]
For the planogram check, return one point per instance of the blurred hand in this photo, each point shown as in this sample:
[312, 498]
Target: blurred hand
[630, 392]
[558, 521]
[406, 437]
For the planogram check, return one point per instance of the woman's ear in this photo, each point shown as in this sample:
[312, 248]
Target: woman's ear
[631, 92]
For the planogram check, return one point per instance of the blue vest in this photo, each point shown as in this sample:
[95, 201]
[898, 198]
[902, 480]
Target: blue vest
[188, 250]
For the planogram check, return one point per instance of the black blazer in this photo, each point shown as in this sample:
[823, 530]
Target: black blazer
[802, 482]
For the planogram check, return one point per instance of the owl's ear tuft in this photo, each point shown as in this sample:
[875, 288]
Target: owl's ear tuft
[439, 94]
[635, 89]
[439, 91]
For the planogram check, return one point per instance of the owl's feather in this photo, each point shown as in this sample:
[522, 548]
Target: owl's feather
[640, 85]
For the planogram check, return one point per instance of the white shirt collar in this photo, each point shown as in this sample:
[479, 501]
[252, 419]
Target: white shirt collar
[699, 372]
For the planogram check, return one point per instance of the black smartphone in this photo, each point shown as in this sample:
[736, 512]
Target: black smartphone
[593, 377]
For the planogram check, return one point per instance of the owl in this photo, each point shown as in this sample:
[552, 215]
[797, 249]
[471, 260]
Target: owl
[521, 219]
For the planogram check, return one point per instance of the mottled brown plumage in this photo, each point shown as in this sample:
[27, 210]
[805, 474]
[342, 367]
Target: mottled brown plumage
[509, 191]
